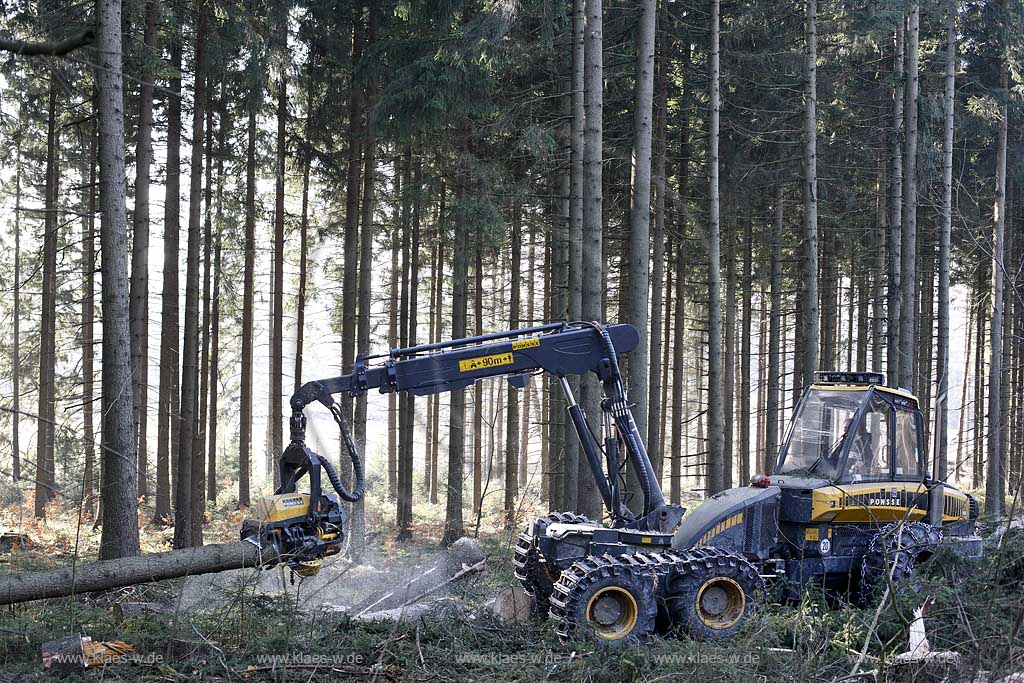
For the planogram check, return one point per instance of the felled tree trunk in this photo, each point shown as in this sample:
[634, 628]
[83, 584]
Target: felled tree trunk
[108, 574]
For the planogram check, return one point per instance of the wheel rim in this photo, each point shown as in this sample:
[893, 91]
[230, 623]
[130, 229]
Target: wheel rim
[720, 603]
[612, 613]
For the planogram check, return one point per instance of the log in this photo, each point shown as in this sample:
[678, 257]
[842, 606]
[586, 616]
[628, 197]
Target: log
[128, 571]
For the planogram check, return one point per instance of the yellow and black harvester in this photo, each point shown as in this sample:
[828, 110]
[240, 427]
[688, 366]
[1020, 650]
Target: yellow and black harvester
[849, 502]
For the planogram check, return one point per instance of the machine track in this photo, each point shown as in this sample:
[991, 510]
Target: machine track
[528, 566]
[666, 573]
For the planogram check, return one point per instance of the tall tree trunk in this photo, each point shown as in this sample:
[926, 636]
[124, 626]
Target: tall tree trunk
[878, 263]
[972, 311]
[249, 276]
[729, 380]
[994, 485]
[397, 282]
[408, 404]
[277, 307]
[400, 297]
[716, 417]
[45, 479]
[168, 419]
[924, 340]
[528, 393]
[941, 468]
[453, 521]
[512, 412]
[88, 253]
[478, 389]
[978, 425]
[659, 290]
[895, 227]
[809, 275]
[428, 436]
[211, 431]
[120, 536]
[566, 463]
[206, 326]
[300, 301]
[680, 406]
[438, 329]
[748, 285]
[592, 280]
[351, 246]
[357, 524]
[139, 295]
[775, 332]
[188, 516]
[908, 250]
[637, 298]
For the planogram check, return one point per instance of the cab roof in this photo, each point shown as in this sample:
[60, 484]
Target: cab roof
[859, 381]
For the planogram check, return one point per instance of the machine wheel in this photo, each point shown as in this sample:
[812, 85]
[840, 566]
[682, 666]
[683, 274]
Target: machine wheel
[713, 593]
[897, 549]
[537, 577]
[607, 600]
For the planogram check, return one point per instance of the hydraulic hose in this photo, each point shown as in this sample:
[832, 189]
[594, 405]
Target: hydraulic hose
[357, 465]
[653, 498]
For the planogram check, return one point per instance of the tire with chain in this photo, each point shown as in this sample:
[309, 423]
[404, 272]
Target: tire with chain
[895, 550]
[611, 602]
[536, 577]
[713, 593]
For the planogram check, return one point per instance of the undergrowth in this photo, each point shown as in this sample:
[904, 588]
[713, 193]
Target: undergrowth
[977, 611]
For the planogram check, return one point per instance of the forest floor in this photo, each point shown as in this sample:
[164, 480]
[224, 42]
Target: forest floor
[245, 627]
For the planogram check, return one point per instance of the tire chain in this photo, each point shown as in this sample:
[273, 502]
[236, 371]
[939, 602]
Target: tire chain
[526, 561]
[898, 546]
[663, 567]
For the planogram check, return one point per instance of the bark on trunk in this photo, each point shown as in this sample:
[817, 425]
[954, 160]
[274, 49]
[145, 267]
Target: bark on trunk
[276, 415]
[45, 488]
[908, 249]
[512, 400]
[188, 529]
[300, 301]
[637, 300]
[895, 227]
[120, 536]
[453, 522]
[941, 467]
[565, 464]
[747, 286]
[248, 277]
[660, 296]
[128, 571]
[716, 418]
[729, 359]
[994, 485]
[593, 281]
[809, 277]
[775, 364]
[167, 408]
[139, 295]
[88, 253]
[356, 534]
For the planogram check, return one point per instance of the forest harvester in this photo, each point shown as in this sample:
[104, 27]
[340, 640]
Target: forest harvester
[849, 503]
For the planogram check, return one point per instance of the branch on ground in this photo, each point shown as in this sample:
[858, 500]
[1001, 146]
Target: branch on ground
[52, 48]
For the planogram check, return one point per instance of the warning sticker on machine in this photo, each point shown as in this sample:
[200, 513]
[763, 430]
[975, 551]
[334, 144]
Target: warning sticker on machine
[482, 362]
[525, 344]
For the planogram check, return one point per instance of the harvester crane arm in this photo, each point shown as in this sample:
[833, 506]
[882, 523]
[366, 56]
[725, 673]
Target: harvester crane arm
[562, 349]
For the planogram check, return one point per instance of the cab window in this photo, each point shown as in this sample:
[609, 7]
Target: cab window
[907, 457]
[869, 457]
[814, 443]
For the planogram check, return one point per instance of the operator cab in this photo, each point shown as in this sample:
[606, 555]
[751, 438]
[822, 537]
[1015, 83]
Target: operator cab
[849, 428]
